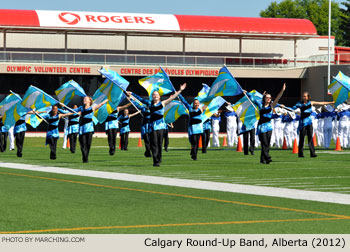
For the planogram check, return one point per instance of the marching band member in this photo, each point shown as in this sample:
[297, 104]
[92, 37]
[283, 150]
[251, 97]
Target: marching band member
[73, 130]
[86, 125]
[305, 123]
[264, 129]
[343, 125]
[146, 116]
[3, 136]
[206, 135]
[125, 128]
[288, 129]
[329, 117]
[216, 119]
[111, 127]
[52, 135]
[195, 126]
[231, 127]
[278, 127]
[157, 123]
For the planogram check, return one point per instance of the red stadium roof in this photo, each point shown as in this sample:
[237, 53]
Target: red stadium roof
[74, 20]
[246, 25]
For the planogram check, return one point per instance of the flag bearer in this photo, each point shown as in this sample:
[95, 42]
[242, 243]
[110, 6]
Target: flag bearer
[305, 123]
[264, 129]
[125, 128]
[86, 126]
[195, 125]
[157, 123]
[111, 127]
[52, 135]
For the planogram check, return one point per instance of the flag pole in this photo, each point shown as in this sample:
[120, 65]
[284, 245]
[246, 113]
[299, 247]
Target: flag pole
[132, 97]
[40, 116]
[64, 105]
[250, 101]
[161, 68]
[241, 88]
[123, 92]
[329, 40]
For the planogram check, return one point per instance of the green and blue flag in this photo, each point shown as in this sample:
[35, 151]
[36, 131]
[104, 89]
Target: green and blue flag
[203, 93]
[224, 85]
[246, 112]
[12, 110]
[68, 90]
[36, 99]
[340, 88]
[113, 87]
[212, 108]
[173, 111]
[158, 82]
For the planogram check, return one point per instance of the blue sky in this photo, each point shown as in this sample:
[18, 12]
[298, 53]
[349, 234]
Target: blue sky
[237, 8]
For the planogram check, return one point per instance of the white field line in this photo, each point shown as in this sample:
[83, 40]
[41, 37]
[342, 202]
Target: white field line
[328, 197]
[301, 178]
[334, 152]
[329, 188]
[309, 186]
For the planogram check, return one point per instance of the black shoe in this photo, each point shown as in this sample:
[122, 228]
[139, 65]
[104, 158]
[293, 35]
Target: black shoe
[301, 155]
[19, 155]
[268, 161]
[53, 158]
[156, 164]
[252, 152]
[166, 149]
[263, 162]
[194, 158]
[313, 155]
[148, 154]
[204, 151]
[246, 153]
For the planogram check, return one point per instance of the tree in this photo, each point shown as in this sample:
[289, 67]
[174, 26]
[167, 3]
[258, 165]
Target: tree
[345, 24]
[314, 10]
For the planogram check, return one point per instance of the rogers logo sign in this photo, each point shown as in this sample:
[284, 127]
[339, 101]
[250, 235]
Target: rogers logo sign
[69, 18]
[73, 19]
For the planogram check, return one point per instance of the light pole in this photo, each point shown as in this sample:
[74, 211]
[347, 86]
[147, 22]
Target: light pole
[329, 41]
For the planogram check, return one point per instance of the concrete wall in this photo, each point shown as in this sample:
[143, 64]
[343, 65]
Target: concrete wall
[27, 40]
[96, 42]
[140, 43]
[212, 45]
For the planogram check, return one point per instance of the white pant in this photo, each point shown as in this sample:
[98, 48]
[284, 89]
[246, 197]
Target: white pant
[272, 141]
[216, 130]
[11, 138]
[319, 133]
[343, 132]
[278, 132]
[231, 130]
[65, 134]
[289, 134]
[327, 133]
[335, 130]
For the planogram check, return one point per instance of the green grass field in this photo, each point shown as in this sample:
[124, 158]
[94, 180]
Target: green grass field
[38, 202]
